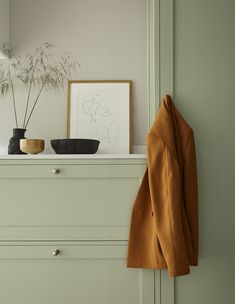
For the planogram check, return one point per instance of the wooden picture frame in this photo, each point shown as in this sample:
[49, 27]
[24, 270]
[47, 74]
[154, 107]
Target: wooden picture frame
[100, 109]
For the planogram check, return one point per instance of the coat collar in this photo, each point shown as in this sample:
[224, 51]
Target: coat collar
[170, 126]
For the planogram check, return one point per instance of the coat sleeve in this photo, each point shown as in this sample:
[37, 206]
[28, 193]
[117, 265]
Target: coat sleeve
[166, 198]
[191, 195]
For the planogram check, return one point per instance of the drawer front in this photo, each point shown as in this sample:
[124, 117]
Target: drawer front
[66, 250]
[80, 274]
[60, 171]
[89, 202]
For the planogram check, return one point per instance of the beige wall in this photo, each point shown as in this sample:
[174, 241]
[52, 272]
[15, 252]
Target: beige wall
[108, 37]
[4, 22]
[204, 92]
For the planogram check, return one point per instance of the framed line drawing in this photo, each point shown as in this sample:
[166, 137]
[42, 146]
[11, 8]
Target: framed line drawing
[100, 110]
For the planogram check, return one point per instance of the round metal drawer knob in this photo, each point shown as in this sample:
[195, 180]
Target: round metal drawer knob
[56, 252]
[56, 171]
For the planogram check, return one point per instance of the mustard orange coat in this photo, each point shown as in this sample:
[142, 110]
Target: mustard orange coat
[164, 224]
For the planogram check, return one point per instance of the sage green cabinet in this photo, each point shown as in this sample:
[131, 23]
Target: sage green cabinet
[85, 200]
[64, 230]
[80, 273]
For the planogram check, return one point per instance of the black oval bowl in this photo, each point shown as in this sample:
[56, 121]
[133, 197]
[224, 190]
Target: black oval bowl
[75, 146]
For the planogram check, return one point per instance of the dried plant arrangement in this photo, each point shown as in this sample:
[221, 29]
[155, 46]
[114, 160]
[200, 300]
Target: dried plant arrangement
[39, 69]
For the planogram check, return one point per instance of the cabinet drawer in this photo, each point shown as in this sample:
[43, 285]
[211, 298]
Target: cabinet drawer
[80, 274]
[57, 251]
[90, 202]
[60, 171]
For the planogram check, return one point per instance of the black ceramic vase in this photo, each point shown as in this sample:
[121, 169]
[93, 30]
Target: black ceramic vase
[14, 142]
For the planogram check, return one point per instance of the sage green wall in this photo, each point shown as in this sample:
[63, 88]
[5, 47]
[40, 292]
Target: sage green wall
[204, 65]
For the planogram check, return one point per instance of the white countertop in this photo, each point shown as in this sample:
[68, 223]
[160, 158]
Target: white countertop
[74, 156]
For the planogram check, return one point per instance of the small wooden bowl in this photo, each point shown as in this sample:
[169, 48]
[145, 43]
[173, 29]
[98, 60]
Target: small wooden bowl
[32, 146]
